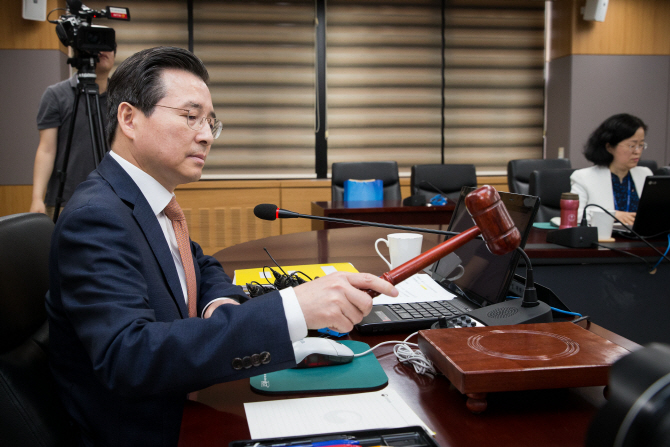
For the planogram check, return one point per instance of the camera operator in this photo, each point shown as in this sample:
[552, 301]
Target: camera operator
[53, 121]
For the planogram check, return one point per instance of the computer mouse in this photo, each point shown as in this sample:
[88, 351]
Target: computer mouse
[314, 351]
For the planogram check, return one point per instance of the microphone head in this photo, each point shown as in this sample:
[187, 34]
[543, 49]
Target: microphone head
[266, 211]
[492, 218]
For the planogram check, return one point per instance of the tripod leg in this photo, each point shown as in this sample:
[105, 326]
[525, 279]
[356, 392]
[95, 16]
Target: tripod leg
[94, 136]
[62, 172]
[102, 141]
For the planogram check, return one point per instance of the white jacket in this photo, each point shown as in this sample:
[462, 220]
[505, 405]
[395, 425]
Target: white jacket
[594, 185]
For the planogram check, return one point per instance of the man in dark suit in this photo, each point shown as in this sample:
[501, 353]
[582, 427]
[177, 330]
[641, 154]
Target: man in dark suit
[124, 351]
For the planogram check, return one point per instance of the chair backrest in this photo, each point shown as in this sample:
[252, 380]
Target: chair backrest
[651, 164]
[548, 185]
[30, 409]
[387, 171]
[447, 179]
[518, 171]
[663, 170]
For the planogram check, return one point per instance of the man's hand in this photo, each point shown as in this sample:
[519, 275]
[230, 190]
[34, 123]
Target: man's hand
[336, 301]
[626, 218]
[37, 206]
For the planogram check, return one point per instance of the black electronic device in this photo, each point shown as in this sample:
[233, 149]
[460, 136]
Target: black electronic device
[653, 211]
[415, 200]
[638, 409]
[575, 237]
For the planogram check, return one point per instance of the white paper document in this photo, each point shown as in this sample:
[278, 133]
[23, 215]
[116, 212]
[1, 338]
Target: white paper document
[315, 415]
[416, 288]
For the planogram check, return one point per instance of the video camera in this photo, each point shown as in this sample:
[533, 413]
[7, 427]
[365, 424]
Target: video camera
[75, 29]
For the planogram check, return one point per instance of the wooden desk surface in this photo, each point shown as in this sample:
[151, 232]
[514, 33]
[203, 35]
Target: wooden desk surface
[557, 417]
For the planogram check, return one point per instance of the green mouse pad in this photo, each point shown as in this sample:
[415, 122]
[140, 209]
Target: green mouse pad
[362, 374]
[545, 226]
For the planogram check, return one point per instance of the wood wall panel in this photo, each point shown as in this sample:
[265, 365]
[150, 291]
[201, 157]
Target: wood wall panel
[221, 213]
[631, 27]
[640, 27]
[15, 199]
[16, 33]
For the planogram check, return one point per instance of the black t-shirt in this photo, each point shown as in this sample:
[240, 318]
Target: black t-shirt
[55, 110]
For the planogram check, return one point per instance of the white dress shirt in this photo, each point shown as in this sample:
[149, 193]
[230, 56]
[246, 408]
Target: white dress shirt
[158, 198]
[594, 185]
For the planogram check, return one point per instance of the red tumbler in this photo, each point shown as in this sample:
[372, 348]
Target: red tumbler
[569, 209]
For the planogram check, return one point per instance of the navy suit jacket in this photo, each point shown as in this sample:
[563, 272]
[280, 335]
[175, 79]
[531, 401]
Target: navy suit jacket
[124, 353]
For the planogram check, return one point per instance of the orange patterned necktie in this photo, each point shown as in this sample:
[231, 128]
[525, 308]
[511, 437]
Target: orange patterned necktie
[176, 215]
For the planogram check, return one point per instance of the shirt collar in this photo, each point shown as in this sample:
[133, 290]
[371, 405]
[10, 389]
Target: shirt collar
[157, 196]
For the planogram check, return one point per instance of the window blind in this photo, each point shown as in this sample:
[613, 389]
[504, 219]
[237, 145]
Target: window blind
[383, 79]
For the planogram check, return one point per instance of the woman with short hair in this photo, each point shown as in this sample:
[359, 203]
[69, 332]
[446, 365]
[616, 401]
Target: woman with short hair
[615, 181]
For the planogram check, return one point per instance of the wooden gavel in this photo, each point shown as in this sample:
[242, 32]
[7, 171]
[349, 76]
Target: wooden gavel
[492, 221]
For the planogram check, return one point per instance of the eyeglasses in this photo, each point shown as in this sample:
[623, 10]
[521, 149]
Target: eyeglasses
[196, 122]
[633, 147]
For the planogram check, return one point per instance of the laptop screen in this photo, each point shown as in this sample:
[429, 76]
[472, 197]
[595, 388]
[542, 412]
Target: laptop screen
[472, 271]
[653, 212]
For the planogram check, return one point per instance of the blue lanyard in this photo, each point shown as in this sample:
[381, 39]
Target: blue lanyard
[628, 194]
[628, 187]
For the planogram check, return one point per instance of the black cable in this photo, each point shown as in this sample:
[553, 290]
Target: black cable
[273, 260]
[649, 267]
[584, 224]
[530, 293]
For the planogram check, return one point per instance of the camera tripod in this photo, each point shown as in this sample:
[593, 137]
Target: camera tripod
[85, 86]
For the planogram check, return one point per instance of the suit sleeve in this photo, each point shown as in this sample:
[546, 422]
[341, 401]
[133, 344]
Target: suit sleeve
[111, 292]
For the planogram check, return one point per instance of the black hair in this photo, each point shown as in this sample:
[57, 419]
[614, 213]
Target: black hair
[612, 131]
[138, 81]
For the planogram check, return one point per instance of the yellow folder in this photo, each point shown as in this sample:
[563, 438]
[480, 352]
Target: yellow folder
[242, 277]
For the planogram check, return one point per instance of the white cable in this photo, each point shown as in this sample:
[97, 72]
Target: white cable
[405, 354]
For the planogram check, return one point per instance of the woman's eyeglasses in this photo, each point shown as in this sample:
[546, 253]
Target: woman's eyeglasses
[634, 147]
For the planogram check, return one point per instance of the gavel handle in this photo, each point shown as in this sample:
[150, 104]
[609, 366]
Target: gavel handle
[404, 271]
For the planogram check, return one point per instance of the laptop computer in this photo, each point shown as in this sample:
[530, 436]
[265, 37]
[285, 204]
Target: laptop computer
[653, 210]
[482, 278]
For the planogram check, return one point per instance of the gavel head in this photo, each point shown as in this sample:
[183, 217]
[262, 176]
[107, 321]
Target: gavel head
[492, 218]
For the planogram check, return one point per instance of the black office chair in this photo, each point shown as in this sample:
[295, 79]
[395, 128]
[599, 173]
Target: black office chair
[518, 171]
[447, 179]
[651, 164]
[31, 413]
[663, 170]
[548, 185]
[387, 171]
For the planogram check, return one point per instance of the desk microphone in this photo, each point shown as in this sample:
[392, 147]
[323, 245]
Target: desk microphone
[498, 230]
[267, 211]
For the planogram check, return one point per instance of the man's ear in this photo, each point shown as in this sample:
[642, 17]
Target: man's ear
[126, 115]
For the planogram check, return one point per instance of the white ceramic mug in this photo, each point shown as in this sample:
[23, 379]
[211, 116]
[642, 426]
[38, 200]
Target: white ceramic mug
[603, 222]
[402, 247]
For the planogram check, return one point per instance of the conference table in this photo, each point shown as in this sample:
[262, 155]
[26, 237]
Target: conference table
[386, 211]
[551, 417]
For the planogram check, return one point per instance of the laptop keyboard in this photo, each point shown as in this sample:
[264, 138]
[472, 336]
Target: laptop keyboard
[428, 309]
